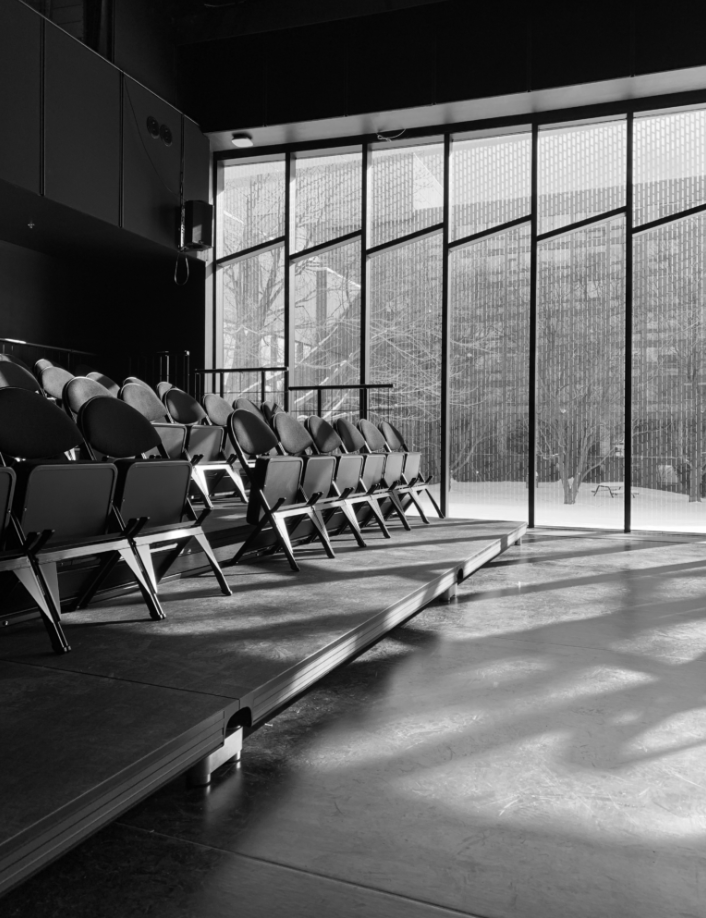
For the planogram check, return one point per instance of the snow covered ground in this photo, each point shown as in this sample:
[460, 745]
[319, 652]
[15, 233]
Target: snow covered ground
[654, 510]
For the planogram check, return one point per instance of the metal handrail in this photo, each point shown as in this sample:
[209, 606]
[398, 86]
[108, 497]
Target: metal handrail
[363, 388]
[199, 376]
[47, 347]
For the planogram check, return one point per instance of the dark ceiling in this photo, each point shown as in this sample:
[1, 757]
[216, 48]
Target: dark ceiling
[204, 20]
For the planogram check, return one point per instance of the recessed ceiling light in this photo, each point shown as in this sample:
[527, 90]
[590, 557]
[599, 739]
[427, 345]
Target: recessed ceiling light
[241, 140]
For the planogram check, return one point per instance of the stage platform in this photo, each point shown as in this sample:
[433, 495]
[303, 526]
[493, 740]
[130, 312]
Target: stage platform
[136, 702]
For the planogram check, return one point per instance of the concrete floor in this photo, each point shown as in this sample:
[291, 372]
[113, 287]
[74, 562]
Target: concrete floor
[534, 750]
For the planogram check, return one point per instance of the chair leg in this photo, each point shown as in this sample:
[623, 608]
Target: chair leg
[352, 523]
[251, 538]
[199, 478]
[215, 566]
[280, 528]
[94, 584]
[134, 563]
[50, 614]
[374, 508]
[395, 500]
[318, 524]
[145, 555]
[425, 490]
[420, 510]
[238, 482]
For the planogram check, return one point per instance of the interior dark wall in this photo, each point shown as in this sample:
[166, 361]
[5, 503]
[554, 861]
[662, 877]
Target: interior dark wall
[442, 52]
[143, 45]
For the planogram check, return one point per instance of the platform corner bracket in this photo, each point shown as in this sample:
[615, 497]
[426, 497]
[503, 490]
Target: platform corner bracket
[199, 775]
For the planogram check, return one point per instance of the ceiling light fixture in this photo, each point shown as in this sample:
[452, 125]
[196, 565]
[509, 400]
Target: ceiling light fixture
[241, 140]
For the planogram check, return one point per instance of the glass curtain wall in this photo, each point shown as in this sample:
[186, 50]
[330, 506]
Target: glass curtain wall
[531, 302]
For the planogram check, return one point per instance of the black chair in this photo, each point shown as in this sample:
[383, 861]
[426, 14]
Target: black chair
[24, 567]
[380, 476]
[78, 391]
[352, 476]
[53, 380]
[104, 380]
[62, 510]
[275, 491]
[16, 376]
[269, 409]
[204, 440]
[319, 475]
[10, 358]
[154, 491]
[246, 404]
[416, 482]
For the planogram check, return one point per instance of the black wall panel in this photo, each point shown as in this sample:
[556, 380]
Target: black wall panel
[223, 84]
[392, 59]
[197, 163]
[82, 128]
[20, 69]
[481, 51]
[143, 44]
[307, 72]
[151, 169]
[669, 36]
[572, 44]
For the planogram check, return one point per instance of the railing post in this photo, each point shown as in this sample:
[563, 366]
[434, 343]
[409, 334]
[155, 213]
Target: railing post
[319, 402]
[262, 386]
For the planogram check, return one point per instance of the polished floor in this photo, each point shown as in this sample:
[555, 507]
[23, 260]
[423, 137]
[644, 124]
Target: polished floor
[533, 750]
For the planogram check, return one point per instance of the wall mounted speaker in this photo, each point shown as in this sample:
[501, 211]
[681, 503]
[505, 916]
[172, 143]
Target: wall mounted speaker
[153, 127]
[198, 225]
[166, 135]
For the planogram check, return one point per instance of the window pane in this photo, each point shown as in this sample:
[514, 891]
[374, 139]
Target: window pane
[581, 173]
[250, 208]
[405, 343]
[489, 359]
[327, 317]
[252, 298]
[580, 378]
[669, 383]
[406, 191]
[491, 182]
[327, 198]
[669, 164]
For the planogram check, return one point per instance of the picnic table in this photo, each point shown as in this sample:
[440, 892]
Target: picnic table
[612, 489]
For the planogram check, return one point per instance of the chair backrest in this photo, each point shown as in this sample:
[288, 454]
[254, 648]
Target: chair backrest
[104, 380]
[32, 428]
[250, 434]
[269, 410]
[277, 478]
[145, 401]
[217, 409]
[325, 438]
[163, 387]
[42, 364]
[137, 381]
[373, 437]
[53, 380]
[17, 377]
[115, 429]
[351, 437]
[183, 407]
[79, 389]
[245, 404]
[293, 436]
[10, 358]
[393, 437]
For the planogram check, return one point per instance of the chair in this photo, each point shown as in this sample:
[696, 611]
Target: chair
[42, 364]
[104, 380]
[53, 380]
[245, 404]
[10, 358]
[14, 375]
[78, 391]
[355, 473]
[163, 387]
[203, 440]
[62, 510]
[24, 567]
[275, 492]
[416, 483]
[380, 476]
[153, 491]
[137, 381]
[145, 401]
[269, 410]
[319, 473]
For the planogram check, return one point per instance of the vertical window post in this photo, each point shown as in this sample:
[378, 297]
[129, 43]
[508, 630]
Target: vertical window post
[445, 337]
